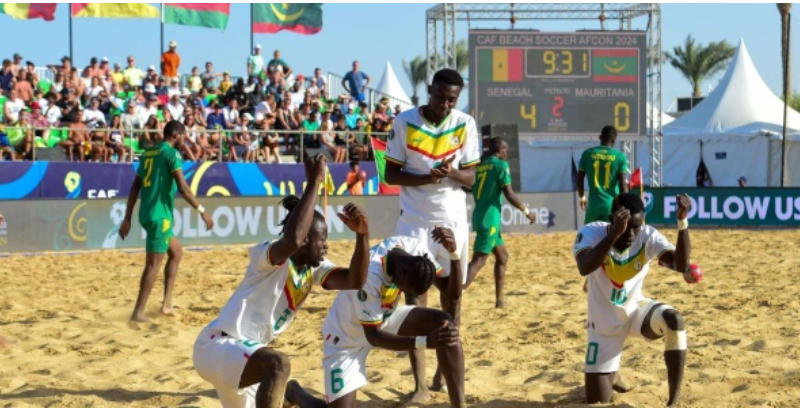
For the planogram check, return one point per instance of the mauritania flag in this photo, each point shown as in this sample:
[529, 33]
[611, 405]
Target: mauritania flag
[615, 65]
[303, 18]
[500, 65]
[211, 15]
[27, 11]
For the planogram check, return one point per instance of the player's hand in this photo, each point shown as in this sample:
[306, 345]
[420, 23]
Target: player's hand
[208, 220]
[694, 275]
[362, 176]
[445, 237]
[315, 167]
[2, 219]
[443, 170]
[583, 203]
[684, 204]
[531, 217]
[354, 218]
[124, 229]
[621, 218]
[444, 336]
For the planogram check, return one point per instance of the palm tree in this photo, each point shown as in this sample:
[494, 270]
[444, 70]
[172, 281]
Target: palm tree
[697, 63]
[417, 71]
[462, 56]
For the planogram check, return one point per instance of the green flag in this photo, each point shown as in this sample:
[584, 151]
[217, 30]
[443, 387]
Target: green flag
[303, 18]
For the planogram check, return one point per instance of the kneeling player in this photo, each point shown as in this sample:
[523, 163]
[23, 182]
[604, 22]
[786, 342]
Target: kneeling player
[361, 320]
[233, 351]
[616, 259]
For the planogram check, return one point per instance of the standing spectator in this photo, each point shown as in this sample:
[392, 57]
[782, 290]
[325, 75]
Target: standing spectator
[195, 83]
[92, 70]
[30, 69]
[356, 83]
[134, 77]
[17, 65]
[118, 77]
[277, 68]
[210, 77]
[105, 69]
[170, 62]
[23, 87]
[255, 63]
[175, 108]
[6, 77]
[226, 84]
[356, 179]
[321, 83]
[14, 105]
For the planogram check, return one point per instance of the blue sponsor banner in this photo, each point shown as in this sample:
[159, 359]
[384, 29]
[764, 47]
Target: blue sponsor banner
[76, 180]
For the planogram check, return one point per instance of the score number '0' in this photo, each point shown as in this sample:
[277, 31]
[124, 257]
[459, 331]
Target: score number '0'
[622, 115]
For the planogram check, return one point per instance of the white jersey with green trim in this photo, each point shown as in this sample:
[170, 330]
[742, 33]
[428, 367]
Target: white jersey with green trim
[374, 302]
[269, 296]
[419, 146]
[616, 287]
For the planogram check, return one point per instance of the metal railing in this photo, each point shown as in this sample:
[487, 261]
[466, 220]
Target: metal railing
[286, 140]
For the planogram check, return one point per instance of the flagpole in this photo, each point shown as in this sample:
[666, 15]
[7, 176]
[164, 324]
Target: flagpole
[162, 29]
[69, 11]
[251, 27]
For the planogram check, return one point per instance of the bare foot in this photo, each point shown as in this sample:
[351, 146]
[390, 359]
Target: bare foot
[674, 404]
[139, 318]
[438, 383]
[6, 343]
[620, 385]
[499, 304]
[420, 397]
[167, 311]
[288, 396]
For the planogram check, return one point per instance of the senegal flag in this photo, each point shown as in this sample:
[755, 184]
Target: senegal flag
[303, 18]
[27, 11]
[379, 150]
[114, 10]
[615, 65]
[500, 65]
[211, 15]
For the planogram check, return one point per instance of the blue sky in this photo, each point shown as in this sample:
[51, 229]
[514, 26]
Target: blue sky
[373, 34]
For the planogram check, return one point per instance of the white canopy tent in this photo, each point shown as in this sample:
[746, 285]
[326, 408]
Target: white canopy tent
[390, 87]
[735, 130]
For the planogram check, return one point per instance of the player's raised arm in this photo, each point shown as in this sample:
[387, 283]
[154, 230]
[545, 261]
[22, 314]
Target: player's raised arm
[591, 259]
[133, 195]
[679, 260]
[296, 229]
[356, 276]
[446, 238]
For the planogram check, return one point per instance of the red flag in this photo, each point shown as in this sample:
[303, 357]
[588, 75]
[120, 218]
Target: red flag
[636, 178]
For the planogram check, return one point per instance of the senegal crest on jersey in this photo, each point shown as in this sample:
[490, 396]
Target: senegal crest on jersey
[389, 295]
[435, 145]
[297, 287]
[620, 271]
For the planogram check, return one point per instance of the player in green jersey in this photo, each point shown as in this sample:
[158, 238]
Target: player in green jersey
[160, 170]
[606, 168]
[492, 181]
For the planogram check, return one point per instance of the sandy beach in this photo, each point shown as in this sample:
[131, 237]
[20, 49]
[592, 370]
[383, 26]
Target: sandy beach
[74, 346]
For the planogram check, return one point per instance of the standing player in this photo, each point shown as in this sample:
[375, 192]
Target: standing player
[616, 259]
[361, 320]
[606, 168]
[233, 351]
[160, 170]
[493, 180]
[431, 153]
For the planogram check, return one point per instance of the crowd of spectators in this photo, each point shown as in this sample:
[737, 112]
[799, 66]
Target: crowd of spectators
[107, 112]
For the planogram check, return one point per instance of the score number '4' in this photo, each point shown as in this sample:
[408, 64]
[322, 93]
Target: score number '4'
[622, 114]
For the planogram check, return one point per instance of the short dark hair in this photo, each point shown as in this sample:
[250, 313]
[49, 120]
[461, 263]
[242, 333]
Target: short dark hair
[424, 271]
[354, 163]
[173, 129]
[629, 201]
[495, 144]
[608, 133]
[448, 76]
[290, 203]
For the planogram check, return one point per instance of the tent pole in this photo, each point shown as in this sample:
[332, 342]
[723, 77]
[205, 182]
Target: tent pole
[786, 97]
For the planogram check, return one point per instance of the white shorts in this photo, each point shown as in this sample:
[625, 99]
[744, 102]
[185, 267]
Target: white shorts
[220, 360]
[604, 351]
[422, 230]
[346, 368]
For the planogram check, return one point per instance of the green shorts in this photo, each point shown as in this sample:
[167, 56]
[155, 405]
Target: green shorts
[159, 234]
[487, 239]
[597, 215]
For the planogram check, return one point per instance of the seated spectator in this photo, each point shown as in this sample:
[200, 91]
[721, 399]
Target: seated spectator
[340, 132]
[357, 141]
[13, 107]
[191, 149]
[240, 144]
[92, 115]
[277, 90]
[152, 75]
[231, 113]
[115, 143]
[6, 149]
[99, 137]
[6, 77]
[326, 119]
[380, 113]
[175, 107]
[150, 109]
[38, 121]
[237, 93]
[94, 90]
[270, 141]
[297, 95]
[209, 77]
[351, 119]
[78, 134]
[356, 179]
[118, 77]
[194, 82]
[192, 110]
[311, 138]
[254, 98]
[320, 83]
[23, 87]
[338, 153]
[110, 104]
[226, 83]
[151, 134]
[216, 122]
[265, 108]
[174, 88]
[59, 83]
[76, 84]
[30, 71]
[53, 112]
[131, 119]
[21, 136]
[302, 114]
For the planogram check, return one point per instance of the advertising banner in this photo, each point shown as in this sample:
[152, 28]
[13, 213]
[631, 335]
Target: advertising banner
[77, 180]
[729, 207]
[62, 225]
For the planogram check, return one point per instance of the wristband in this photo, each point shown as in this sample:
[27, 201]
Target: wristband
[200, 209]
[683, 224]
[421, 343]
[527, 211]
[583, 197]
[455, 256]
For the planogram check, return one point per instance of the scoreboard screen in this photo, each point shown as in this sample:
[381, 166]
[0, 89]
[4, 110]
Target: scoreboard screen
[559, 84]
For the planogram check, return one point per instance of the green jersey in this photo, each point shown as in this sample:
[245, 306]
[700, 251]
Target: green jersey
[602, 166]
[491, 176]
[158, 187]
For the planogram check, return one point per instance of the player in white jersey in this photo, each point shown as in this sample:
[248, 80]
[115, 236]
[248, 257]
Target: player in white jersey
[616, 259]
[233, 352]
[431, 154]
[370, 317]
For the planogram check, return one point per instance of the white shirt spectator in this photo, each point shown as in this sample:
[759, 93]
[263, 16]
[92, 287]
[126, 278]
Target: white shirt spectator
[176, 111]
[320, 82]
[231, 115]
[92, 117]
[262, 109]
[93, 92]
[173, 91]
[313, 89]
[297, 98]
[13, 108]
[144, 113]
[52, 114]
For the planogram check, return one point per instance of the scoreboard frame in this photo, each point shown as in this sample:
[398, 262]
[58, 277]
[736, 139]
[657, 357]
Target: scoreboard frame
[533, 87]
